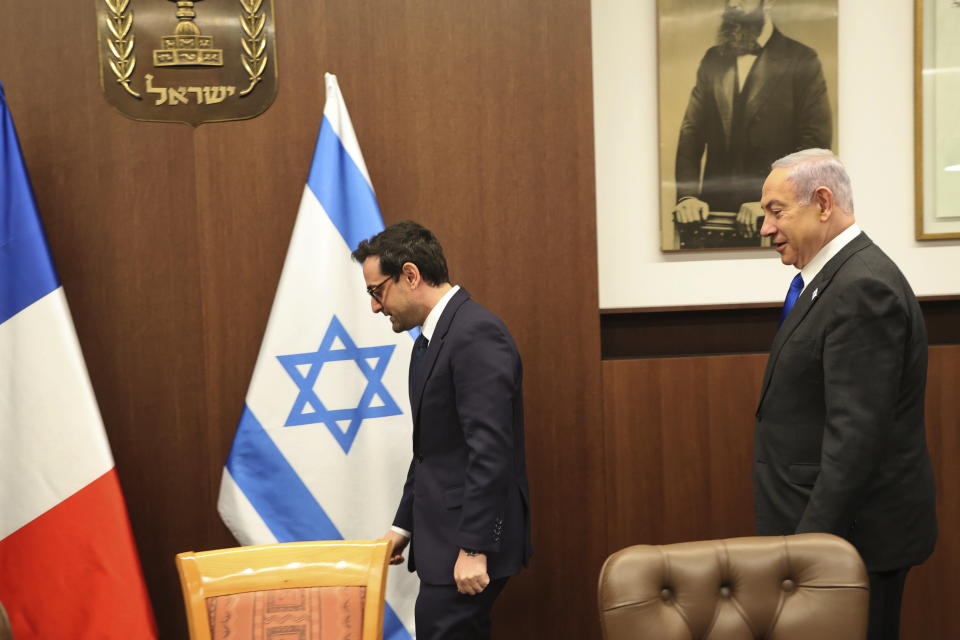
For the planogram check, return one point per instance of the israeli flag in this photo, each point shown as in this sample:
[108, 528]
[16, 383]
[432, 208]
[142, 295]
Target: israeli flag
[324, 442]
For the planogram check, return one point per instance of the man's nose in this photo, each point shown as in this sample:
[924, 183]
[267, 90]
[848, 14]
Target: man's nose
[768, 228]
[375, 305]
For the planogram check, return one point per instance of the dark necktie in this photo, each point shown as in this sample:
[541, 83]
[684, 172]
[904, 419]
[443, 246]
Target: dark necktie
[416, 357]
[794, 292]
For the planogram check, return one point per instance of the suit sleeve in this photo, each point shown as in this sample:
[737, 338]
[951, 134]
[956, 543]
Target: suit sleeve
[863, 359]
[814, 118]
[485, 376]
[692, 138]
[404, 516]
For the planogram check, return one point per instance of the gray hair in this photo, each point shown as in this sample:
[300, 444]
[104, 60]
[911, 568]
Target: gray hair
[813, 168]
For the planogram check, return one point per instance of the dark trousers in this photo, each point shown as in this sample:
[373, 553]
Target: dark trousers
[442, 613]
[886, 594]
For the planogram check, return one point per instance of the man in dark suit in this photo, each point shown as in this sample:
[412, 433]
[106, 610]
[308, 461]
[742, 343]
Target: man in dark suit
[759, 95]
[839, 441]
[465, 505]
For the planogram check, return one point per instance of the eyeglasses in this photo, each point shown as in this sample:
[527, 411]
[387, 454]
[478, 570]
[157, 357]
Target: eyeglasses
[374, 290]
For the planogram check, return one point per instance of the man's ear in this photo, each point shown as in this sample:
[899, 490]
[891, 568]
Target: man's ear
[823, 198]
[411, 273]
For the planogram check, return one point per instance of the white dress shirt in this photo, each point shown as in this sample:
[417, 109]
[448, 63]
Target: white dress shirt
[745, 62]
[832, 248]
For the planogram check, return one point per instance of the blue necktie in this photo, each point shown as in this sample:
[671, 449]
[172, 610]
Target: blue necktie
[416, 357]
[795, 288]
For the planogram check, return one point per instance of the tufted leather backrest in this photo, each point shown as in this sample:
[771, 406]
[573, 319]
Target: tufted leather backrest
[811, 585]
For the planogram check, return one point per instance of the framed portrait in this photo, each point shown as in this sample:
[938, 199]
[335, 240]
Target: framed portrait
[937, 118]
[741, 84]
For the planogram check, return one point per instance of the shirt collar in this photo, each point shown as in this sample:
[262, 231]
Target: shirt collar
[828, 250]
[766, 32]
[430, 324]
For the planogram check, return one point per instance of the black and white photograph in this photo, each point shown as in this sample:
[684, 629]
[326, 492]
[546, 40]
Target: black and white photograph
[741, 83]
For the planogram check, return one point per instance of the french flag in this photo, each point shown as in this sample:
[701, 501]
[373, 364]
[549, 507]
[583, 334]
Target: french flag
[68, 563]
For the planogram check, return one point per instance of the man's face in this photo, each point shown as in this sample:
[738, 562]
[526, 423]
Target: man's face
[798, 231]
[390, 297]
[740, 27]
[744, 7]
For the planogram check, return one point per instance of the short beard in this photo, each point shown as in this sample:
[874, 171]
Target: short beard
[738, 32]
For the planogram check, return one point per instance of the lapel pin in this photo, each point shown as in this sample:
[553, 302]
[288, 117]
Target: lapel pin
[814, 295]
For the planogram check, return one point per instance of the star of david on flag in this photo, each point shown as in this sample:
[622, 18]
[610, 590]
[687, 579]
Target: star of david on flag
[309, 408]
[325, 435]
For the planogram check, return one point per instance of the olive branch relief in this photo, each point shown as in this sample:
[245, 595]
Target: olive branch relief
[254, 43]
[122, 62]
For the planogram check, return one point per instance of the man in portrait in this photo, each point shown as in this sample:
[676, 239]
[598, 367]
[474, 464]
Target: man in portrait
[759, 95]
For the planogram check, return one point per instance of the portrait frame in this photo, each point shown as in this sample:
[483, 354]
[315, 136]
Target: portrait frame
[687, 32]
[936, 135]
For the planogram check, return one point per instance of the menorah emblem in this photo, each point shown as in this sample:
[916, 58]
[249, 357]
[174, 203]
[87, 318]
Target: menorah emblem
[187, 47]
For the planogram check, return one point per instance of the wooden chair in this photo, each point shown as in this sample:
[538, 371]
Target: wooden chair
[329, 590]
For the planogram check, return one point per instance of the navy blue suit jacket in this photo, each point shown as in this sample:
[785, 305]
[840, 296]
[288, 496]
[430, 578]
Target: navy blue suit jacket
[467, 483]
[840, 445]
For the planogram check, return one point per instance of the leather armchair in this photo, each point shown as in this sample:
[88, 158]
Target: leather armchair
[798, 587]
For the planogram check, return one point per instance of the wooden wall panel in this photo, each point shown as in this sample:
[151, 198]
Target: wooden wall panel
[679, 436]
[474, 118]
[679, 442]
[932, 592]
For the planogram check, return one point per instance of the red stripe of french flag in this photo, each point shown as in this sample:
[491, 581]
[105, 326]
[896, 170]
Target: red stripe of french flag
[73, 572]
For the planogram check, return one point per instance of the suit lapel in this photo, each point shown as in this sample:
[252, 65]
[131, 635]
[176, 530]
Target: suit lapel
[723, 93]
[806, 301]
[758, 91]
[430, 358]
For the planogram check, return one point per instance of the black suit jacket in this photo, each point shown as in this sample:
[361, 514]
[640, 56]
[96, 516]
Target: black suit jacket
[467, 483]
[783, 108]
[840, 444]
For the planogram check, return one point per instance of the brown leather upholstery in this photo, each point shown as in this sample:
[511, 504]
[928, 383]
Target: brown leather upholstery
[811, 585]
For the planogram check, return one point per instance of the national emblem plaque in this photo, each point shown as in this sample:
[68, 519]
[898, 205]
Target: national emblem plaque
[187, 61]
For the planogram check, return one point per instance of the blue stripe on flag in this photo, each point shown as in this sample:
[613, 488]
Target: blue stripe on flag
[273, 488]
[393, 629]
[282, 500]
[26, 269]
[343, 190]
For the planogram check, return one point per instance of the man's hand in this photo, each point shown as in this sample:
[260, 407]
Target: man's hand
[399, 544]
[691, 210]
[747, 219]
[470, 573]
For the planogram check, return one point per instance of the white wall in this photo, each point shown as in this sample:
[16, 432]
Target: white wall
[875, 141]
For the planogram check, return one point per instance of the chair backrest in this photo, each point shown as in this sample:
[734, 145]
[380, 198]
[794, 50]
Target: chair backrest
[6, 633]
[811, 585]
[332, 589]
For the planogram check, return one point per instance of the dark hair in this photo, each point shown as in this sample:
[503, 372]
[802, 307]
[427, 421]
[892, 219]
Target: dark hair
[406, 242]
